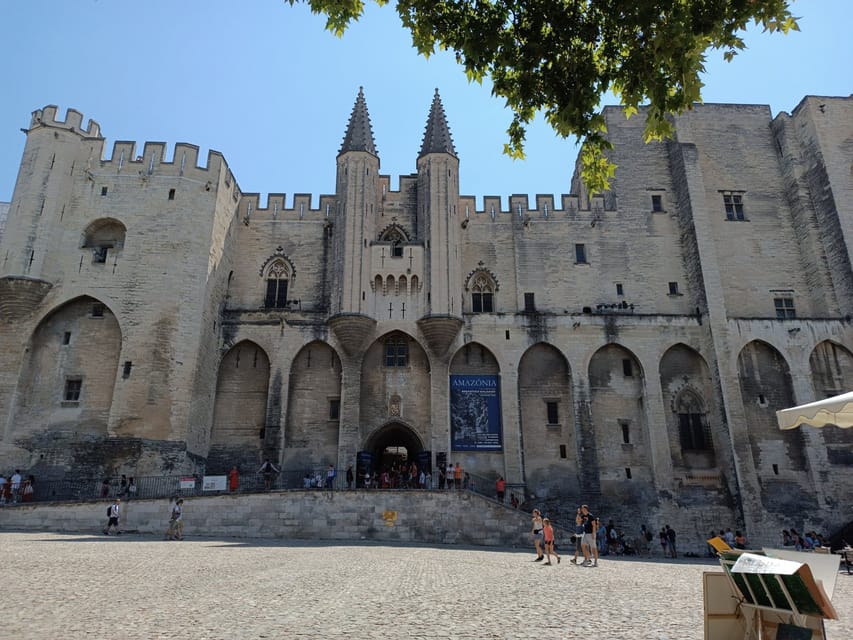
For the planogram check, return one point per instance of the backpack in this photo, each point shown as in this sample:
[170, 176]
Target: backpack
[109, 511]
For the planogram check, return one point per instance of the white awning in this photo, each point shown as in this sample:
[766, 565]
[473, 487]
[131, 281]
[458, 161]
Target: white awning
[837, 411]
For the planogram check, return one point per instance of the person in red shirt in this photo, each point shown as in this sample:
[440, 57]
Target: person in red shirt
[500, 488]
[233, 479]
[548, 531]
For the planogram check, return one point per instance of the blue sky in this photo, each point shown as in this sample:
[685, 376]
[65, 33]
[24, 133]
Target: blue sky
[264, 84]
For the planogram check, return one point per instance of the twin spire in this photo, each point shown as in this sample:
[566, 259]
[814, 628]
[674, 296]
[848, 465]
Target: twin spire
[359, 134]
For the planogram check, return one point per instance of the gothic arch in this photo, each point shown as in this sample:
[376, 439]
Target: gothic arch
[546, 421]
[766, 386]
[394, 233]
[831, 368]
[483, 276]
[312, 425]
[688, 391]
[108, 232]
[69, 372]
[278, 256]
[240, 406]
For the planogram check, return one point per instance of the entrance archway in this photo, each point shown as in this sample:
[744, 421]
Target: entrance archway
[390, 446]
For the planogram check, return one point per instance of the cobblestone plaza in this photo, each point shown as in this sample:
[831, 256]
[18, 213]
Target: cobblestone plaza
[134, 586]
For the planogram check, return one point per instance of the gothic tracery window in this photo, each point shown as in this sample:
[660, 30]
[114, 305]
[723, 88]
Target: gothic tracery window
[396, 351]
[482, 295]
[277, 279]
[693, 429]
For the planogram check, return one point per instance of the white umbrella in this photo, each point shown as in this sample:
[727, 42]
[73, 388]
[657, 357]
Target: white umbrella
[837, 410]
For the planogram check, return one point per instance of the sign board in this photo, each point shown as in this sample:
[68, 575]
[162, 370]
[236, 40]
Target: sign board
[187, 483]
[475, 413]
[213, 483]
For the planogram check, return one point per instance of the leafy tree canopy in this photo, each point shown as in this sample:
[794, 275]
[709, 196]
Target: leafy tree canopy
[559, 57]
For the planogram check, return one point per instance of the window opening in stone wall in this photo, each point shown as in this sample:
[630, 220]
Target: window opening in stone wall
[396, 352]
[580, 253]
[276, 295]
[776, 469]
[99, 255]
[66, 337]
[171, 194]
[507, 334]
[657, 204]
[784, 308]
[673, 288]
[98, 310]
[529, 302]
[620, 291]
[73, 387]
[733, 203]
[762, 400]
[626, 431]
[693, 429]
[482, 295]
[103, 191]
[563, 451]
[334, 408]
[396, 250]
[627, 367]
[628, 472]
[552, 410]
[128, 365]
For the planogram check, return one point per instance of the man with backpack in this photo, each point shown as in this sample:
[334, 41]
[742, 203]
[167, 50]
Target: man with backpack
[113, 512]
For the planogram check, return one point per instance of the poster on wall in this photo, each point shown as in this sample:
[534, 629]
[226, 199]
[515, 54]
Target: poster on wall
[475, 413]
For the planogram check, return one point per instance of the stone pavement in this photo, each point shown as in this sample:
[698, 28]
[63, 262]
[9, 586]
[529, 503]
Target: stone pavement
[134, 586]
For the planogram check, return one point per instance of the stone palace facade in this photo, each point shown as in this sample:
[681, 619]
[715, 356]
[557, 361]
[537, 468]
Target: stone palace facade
[626, 349]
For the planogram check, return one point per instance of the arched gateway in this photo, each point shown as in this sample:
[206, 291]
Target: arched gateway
[390, 444]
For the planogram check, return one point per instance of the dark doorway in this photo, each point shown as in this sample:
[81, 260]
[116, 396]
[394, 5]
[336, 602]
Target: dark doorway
[392, 444]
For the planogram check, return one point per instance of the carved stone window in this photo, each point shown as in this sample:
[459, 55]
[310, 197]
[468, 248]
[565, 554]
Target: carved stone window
[277, 278]
[693, 429]
[482, 295]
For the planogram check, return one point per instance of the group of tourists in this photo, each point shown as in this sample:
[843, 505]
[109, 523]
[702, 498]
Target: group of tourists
[807, 541]
[16, 489]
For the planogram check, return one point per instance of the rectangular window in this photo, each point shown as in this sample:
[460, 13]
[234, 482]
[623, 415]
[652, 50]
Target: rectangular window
[276, 297]
[396, 353]
[784, 308]
[73, 386]
[620, 291]
[626, 432]
[628, 472]
[733, 203]
[98, 310]
[99, 254]
[171, 194]
[673, 288]
[657, 204]
[103, 191]
[693, 433]
[66, 337]
[334, 408]
[580, 253]
[563, 451]
[529, 302]
[128, 365]
[553, 412]
[627, 367]
[397, 251]
[481, 302]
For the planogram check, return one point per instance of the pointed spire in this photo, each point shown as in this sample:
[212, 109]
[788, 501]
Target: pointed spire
[437, 135]
[359, 135]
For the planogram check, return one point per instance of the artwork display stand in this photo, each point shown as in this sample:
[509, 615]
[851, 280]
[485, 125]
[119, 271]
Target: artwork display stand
[761, 597]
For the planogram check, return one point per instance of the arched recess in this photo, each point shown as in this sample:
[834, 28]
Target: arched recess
[395, 384]
[831, 367]
[765, 387]
[547, 422]
[620, 446]
[70, 370]
[239, 411]
[388, 443]
[475, 417]
[311, 429]
[102, 236]
[688, 395]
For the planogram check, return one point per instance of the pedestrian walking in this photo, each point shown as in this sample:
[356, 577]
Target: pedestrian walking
[15, 484]
[590, 529]
[536, 532]
[176, 521]
[664, 542]
[500, 488]
[670, 539]
[578, 537]
[330, 477]
[131, 488]
[233, 479]
[548, 533]
[122, 492]
[113, 514]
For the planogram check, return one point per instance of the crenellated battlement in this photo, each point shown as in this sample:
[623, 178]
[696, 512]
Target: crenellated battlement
[571, 206]
[73, 121]
[250, 209]
[154, 157]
